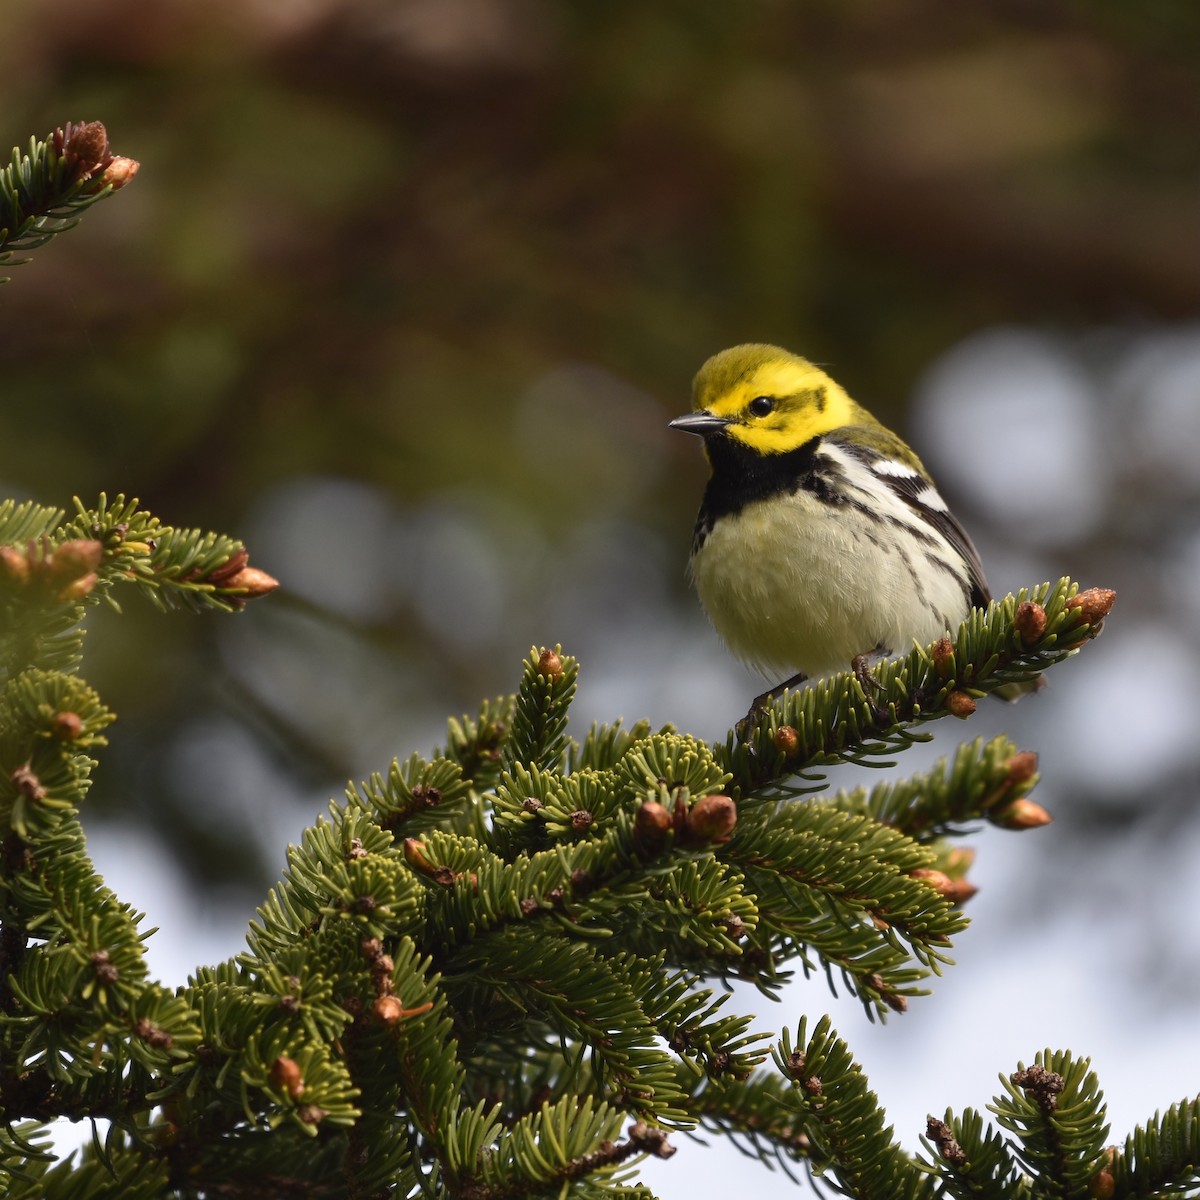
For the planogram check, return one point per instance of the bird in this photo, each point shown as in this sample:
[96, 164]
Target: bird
[822, 541]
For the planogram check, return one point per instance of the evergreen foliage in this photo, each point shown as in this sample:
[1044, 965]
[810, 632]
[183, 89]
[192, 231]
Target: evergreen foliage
[479, 967]
[43, 193]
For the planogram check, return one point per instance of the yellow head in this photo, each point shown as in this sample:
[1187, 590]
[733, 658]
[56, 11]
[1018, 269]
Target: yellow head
[768, 399]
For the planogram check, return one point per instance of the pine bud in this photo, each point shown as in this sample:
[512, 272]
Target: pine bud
[83, 148]
[66, 726]
[712, 818]
[73, 559]
[1103, 1185]
[938, 880]
[1030, 622]
[1022, 766]
[549, 664]
[1020, 814]
[787, 741]
[250, 583]
[14, 566]
[388, 1009]
[285, 1075]
[1094, 605]
[960, 891]
[651, 824]
[943, 658]
[959, 704]
[236, 562]
[119, 172]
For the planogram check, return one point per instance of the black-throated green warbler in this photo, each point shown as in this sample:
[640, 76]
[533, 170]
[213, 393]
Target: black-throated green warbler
[821, 538]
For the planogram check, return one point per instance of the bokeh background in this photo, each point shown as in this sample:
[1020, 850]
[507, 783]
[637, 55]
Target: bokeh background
[405, 294]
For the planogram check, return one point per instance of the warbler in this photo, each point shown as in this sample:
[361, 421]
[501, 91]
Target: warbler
[821, 539]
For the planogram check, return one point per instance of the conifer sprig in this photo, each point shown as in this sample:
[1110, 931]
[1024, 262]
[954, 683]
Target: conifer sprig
[45, 191]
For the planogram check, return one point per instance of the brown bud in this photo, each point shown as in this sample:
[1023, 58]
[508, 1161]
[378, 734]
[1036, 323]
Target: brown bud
[106, 970]
[388, 1009]
[787, 741]
[943, 658]
[1020, 814]
[285, 1075]
[66, 726]
[813, 1085]
[119, 172]
[581, 819]
[960, 891]
[14, 566]
[1103, 1185]
[74, 559]
[549, 664]
[651, 824]
[311, 1114]
[938, 880]
[414, 855]
[1094, 605]
[959, 704]
[250, 583]
[942, 1136]
[712, 818]
[1030, 622]
[236, 562]
[1022, 766]
[78, 588]
[27, 783]
[152, 1035]
[83, 148]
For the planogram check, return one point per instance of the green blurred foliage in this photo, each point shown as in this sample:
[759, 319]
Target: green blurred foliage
[378, 242]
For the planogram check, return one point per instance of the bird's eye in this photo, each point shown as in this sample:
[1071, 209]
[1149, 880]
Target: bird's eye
[761, 406]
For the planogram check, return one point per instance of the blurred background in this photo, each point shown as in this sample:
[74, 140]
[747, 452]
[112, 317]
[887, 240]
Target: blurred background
[404, 296]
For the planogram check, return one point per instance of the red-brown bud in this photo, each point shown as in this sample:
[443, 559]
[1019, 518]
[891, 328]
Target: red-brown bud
[285, 1075]
[549, 664]
[959, 704]
[943, 658]
[960, 891]
[74, 558]
[14, 566]
[938, 880]
[66, 726]
[119, 172]
[1022, 766]
[83, 147]
[1020, 814]
[1094, 605]
[651, 824]
[712, 818]
[237, 561]
[387, 1009]
[250, 583]
[787, 741]
[1030, 622]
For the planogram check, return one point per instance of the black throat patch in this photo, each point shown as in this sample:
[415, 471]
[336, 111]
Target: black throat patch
[742, 476]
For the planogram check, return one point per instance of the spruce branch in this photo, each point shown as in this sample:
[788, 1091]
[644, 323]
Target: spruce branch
[45, 191]
[835, 720]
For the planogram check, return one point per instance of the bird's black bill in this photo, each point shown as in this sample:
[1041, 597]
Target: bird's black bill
[700, 423]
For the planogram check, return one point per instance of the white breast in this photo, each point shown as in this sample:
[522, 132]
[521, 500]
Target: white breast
[797, 584]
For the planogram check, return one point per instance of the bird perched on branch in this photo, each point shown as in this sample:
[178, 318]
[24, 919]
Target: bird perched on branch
[821, 539]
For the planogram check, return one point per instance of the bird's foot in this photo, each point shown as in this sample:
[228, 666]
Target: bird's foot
[860, 664]
[749, 723]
